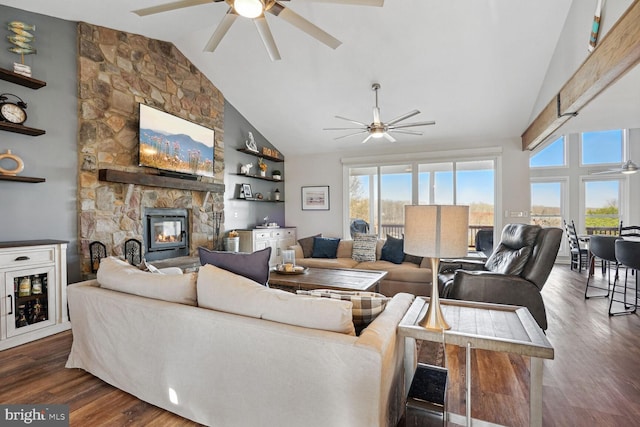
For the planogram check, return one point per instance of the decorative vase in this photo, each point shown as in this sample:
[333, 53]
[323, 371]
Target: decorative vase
[277, 177]
[263, 173]
[232, 244]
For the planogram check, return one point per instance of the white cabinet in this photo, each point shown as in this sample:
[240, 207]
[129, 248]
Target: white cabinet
[33, 281]
[278, 239]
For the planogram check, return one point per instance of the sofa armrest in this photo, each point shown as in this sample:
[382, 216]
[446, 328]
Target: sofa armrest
[485, 286]
[298, 250]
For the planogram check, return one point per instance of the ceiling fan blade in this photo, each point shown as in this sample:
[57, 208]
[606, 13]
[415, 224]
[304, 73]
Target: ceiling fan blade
[378, 3]
[376, 115]
[267, 37]
[403, 117]
[407, 125]
[389, 137]
[170, 6]
[352, 121]
[220, 32]
[367, 138]
[607, 172]
[409, 132]
[342, 129]
[303, 25]
[351, 134]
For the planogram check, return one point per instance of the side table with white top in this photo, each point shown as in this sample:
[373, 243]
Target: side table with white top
[496, 327]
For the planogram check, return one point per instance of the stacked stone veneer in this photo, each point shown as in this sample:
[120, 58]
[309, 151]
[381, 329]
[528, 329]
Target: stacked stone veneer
[116, 72]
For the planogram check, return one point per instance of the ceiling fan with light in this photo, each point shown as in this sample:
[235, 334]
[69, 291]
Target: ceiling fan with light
[627, 168]
[255, 10]
[379, 129]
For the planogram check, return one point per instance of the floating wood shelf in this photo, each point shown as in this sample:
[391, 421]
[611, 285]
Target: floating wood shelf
[111, 175]
[21, 80]
[265, 178]
[25, 130]
[264, 156]
[21, 178]
[259, 200]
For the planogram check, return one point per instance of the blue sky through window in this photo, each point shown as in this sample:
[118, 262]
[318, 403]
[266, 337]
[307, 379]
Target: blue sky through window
[602, 147]
[552, 155]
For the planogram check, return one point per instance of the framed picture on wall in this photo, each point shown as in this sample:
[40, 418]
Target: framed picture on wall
[315, 198]
[246, 190]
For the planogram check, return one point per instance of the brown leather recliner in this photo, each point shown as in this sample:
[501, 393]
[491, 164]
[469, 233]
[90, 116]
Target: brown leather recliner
[514, 274]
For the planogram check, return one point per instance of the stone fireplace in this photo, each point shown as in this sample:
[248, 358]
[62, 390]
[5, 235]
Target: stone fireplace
[116, 72]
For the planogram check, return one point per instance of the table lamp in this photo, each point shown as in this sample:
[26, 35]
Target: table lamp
[436, 231]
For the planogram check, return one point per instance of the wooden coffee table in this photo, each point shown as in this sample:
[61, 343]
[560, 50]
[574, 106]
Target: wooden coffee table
[330, 278]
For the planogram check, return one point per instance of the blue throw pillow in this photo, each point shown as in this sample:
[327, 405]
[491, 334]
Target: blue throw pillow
[393, 250]
[254, 266]
[325, 247]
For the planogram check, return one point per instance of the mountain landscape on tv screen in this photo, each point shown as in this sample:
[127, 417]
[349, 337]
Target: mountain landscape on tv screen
[175, 152]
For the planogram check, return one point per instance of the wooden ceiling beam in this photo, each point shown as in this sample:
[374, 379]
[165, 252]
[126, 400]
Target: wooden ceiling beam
[617, 53]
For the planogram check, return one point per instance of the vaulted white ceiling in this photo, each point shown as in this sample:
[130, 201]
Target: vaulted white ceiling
[474, 66]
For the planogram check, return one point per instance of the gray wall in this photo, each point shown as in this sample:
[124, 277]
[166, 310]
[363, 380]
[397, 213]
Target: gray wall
[46, 210]
[247, 214]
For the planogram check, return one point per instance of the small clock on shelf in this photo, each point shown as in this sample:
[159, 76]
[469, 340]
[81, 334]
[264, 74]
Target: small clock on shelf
[12, 112]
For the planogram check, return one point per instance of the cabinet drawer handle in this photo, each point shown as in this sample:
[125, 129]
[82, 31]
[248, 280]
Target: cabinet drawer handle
[11, 299]
[22, 258]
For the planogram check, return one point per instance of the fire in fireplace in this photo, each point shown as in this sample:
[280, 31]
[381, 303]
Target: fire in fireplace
[166, 233]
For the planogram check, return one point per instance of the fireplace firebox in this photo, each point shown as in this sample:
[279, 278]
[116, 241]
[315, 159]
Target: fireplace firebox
[166, 233]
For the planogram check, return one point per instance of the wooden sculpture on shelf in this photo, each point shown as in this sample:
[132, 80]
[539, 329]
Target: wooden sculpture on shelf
[21, 38]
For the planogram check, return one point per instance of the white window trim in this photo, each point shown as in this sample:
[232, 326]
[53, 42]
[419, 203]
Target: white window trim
[565, 211]
[414, 159]
[623, 209]
[603, 166]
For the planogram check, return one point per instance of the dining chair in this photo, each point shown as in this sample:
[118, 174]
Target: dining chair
[604, 248]
[629, 230]
[579, 255]
[628, 256]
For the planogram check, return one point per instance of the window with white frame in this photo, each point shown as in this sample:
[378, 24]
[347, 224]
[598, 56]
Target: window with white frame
[378, 194]
[552, 155]
[602, 147]
[601, 204]
[547, 202]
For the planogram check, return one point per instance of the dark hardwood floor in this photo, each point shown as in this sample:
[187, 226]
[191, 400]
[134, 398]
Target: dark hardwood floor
[594, 379]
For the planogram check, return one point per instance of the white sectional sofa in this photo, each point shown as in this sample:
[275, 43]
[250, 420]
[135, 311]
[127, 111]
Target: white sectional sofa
[223, 369]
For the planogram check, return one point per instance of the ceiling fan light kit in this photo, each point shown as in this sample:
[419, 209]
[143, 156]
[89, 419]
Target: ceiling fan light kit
[378, 129]
[255, 10]
[249, 8]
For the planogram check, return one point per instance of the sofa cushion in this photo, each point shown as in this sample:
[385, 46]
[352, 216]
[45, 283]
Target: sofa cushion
[413, 259]
[366, 305]
[222, 290]
[119, 275]
[393, 250]
[364, 247]
[327, 262]
[514, 249]
[254, 266]
[405, 272]
[307, 245]
[325, 247]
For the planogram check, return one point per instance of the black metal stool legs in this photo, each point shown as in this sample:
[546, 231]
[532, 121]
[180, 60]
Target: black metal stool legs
[628, 307]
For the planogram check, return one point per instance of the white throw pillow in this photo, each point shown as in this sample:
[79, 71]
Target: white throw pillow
[222, 290]
[119, 275]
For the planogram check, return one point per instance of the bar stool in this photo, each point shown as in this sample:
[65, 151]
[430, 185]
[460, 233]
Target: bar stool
[603, 247]
[628, 256]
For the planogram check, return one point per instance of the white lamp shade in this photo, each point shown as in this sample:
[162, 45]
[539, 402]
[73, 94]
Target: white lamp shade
[436, 231]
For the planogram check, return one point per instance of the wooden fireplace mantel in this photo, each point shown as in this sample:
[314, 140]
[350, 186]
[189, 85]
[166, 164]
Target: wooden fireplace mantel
[123, 177]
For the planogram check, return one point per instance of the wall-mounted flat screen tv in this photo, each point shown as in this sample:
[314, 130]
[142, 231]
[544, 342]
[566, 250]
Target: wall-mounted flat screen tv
[170, 143]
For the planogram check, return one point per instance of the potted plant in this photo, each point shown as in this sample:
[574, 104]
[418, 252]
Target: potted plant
[276, 174]
[263, 167]
[232, 242]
